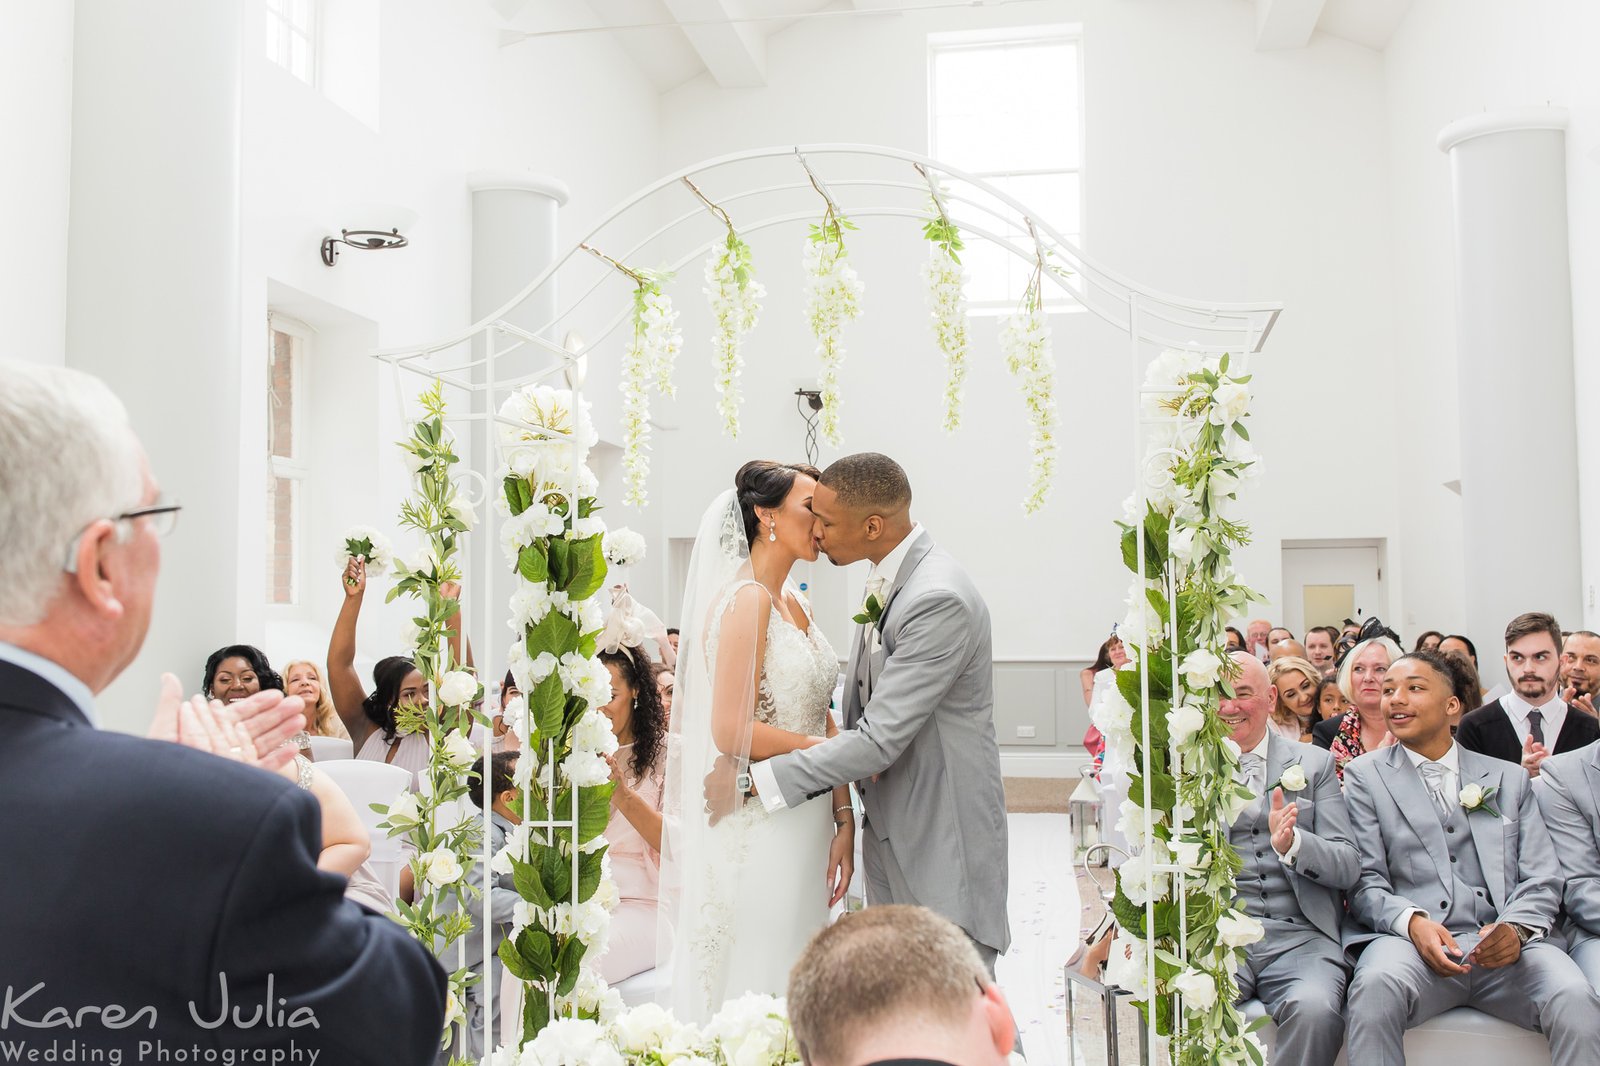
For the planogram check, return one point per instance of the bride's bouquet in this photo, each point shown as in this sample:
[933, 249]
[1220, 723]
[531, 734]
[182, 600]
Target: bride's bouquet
[366, 543]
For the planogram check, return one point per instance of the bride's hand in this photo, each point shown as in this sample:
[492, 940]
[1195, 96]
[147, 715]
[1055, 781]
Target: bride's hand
[841, 861]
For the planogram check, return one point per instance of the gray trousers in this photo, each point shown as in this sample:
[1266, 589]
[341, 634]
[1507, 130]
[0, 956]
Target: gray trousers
[1586, 953]
[1544, 991]
[1301, 981]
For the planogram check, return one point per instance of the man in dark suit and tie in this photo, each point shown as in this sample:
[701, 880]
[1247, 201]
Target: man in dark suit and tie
[1533, 721]
[158, 900]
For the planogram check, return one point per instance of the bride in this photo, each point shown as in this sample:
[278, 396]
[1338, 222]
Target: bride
[740, 895]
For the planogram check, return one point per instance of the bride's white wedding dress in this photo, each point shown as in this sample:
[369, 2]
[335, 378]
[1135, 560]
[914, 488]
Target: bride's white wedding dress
[772, 894]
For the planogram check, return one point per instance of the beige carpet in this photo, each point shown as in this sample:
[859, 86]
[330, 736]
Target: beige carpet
[1038, 795]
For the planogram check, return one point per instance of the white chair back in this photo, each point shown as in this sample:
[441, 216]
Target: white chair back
[329, 749]
[366, 782]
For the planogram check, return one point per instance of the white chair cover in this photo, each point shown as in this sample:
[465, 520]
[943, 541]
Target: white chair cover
[329, 749]
[366, 783]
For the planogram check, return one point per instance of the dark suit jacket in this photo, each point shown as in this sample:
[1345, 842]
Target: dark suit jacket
[138, 873]
[1488, 730]
[1322, 733]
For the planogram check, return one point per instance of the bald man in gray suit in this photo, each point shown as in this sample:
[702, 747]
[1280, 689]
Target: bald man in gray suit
[1298, 857]
[1459, 884]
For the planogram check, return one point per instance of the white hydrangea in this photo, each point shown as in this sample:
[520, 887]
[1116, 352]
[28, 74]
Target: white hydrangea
[585, 771]
[593, 735]
[624, 547]
[751, 1031]
[572, 1042]
[587, 678]
[530, 602]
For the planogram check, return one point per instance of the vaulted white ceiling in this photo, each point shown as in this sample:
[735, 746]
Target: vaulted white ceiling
[728, 38]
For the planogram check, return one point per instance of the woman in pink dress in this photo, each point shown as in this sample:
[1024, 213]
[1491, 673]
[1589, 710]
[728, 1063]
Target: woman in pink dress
[639, 771]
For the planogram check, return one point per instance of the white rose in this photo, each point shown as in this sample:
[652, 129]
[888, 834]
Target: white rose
[415, 463]
[644, 1027]
[1200, 669]
[1229, 403]
[457, 687]
[411, 634]
[452, 1009]
[458, 750]
[404, 811]
[1237, 930]
[1190, 854]
[1126, 966]
[1471, 796]
[462, 511]
[441, 866]
[1293, 779]
[1199, 989]
[1185, 722]
[1131, 822]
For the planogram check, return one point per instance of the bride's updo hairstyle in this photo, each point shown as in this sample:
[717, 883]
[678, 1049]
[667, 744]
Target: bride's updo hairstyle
[764, 483]
[869, 482]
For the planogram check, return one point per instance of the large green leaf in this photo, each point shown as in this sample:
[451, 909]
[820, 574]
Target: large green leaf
[546, 703]
[594, 811]
[529, 884]
[586, 563]
[560, 551]
[533, 564]
[589, 873]
[555, 633]
[535, 1012]
[522, 956]
[567, 965]
[556, 869]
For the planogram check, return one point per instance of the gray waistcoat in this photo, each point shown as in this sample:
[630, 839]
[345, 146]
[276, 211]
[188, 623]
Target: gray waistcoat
[1263, 886]
[1469, 908]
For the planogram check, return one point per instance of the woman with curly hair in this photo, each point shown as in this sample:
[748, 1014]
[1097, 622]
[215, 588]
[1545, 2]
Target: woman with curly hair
[639, 771]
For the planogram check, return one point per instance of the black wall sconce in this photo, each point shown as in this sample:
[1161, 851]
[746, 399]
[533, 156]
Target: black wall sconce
[803, 399]
[365, 239]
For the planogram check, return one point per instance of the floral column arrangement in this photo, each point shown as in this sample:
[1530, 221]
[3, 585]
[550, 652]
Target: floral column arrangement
[1174, 897]
[553, 539]
[444, 848]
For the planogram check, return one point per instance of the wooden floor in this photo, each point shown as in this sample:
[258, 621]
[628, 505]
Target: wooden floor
[1038, 795]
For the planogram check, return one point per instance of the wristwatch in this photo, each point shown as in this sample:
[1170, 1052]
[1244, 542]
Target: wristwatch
[1524, 934]
[745, 785]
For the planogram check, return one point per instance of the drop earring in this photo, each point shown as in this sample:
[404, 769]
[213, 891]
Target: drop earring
[772, 528]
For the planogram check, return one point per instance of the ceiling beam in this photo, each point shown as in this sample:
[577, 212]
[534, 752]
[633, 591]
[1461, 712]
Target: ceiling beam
[735, 55]
[1286, 23]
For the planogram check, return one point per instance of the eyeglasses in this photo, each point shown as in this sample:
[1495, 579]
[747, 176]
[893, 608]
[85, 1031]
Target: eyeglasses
[163, 516]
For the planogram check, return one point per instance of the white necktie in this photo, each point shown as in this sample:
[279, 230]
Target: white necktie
[1433, 775]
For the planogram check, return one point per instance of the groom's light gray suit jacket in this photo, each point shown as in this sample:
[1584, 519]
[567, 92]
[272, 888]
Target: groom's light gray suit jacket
[927, 733]
[1406, 851]
[1568, 791]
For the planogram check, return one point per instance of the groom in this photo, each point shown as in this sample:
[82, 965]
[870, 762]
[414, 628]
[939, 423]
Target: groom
[919, 737]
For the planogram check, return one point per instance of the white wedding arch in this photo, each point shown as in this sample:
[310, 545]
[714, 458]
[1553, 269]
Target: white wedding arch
[685, 214]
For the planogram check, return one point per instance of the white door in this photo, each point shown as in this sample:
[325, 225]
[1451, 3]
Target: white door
[1327, 583]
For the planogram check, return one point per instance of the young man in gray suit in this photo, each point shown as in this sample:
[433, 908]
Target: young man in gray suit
[919, 735]
[1298, 858]
[1568, 791]
[1459, 884]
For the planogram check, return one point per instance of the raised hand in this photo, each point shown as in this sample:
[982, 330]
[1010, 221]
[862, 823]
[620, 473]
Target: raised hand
[1281, 820]
[1583, 701]
[1436, 946]
[450, 590]
[1532, 755]
[1500, 946]
[355, 576]
[251, 731]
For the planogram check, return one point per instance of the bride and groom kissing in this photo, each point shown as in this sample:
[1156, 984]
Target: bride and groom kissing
[758, 773]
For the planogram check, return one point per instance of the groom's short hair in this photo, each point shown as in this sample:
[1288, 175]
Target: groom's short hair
[869, 481]
[882, 966]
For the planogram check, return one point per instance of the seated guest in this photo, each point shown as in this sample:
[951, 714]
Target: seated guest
[237, 671]
[1459, 885]
[503, 895]
[1532, 721]
[1110, 657]
[1258, 636]
[1580, 669]
[639, 771]
[896, 984]
[1277, 635]
[373, 719]
[303, 678]
[1319, 647]
[1351, 628]
[1428, 641]
[165, 867]
[1286, 648]
[1467, 652]
[1361, 673]
[672, 638]
[666, 681]
[1235, 639]
[1568, 791]
[1298, 857]
[506, 719]
[1295, 710]
[1330, 701]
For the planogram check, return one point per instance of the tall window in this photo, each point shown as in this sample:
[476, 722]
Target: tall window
[1008, 108]
[292, 37]
[287, 468]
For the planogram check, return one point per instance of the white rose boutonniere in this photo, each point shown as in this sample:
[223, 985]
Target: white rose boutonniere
[1476, 797]
[1293, 779]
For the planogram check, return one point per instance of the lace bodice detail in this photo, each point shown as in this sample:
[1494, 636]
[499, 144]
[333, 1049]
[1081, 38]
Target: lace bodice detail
[797, 676]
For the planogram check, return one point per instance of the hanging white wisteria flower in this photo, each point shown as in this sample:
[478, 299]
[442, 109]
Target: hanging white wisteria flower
[651, 353]
[1181, 597]
[736, 298]
[833, 297]
[948, 304]
[1025, 345]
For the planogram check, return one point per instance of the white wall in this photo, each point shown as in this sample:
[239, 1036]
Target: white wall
[1449, 60]
[36, 129]
[1212, 171]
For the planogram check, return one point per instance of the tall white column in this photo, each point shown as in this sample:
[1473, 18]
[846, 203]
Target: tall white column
[1519, 452]
[514, 225]
[153, 294]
